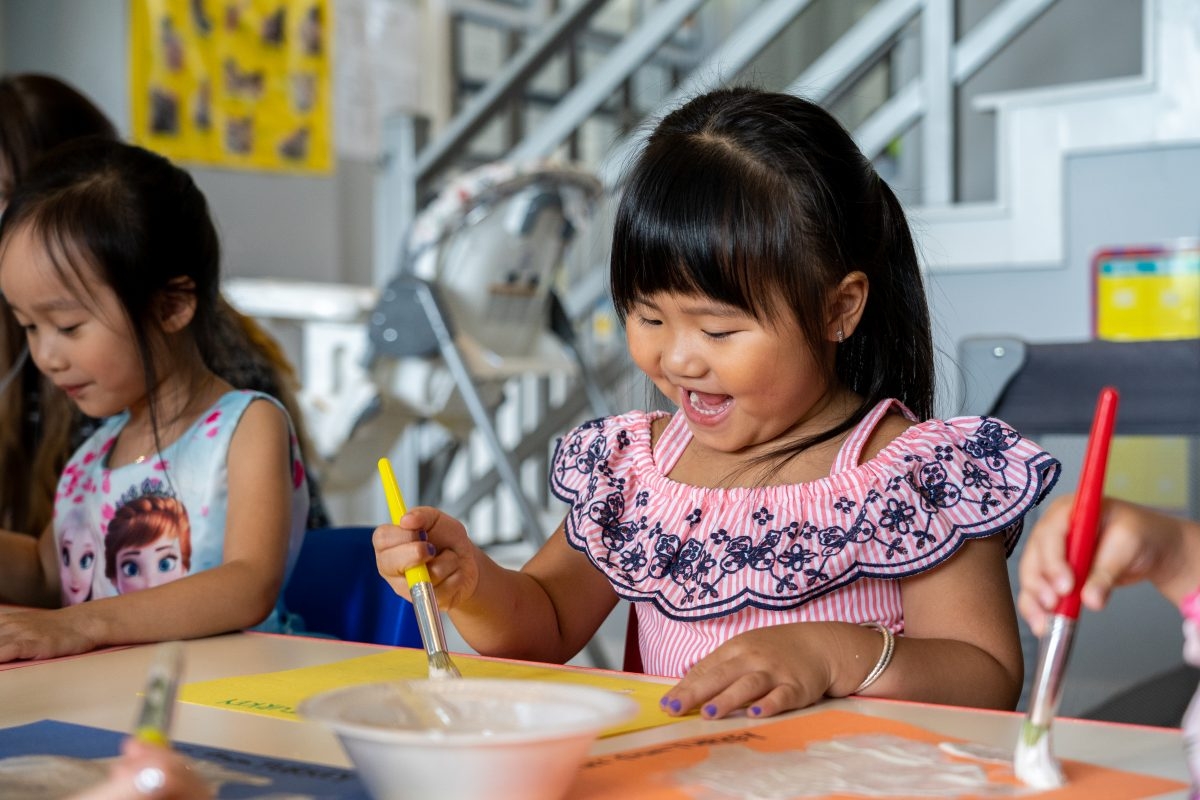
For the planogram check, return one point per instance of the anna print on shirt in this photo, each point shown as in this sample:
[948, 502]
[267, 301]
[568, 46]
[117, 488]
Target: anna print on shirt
[148, 541]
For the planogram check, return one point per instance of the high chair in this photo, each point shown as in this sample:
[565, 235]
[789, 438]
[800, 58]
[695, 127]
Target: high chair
[474, 303]
[473, 311]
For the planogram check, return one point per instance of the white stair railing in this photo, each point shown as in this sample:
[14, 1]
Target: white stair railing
[1038, 129]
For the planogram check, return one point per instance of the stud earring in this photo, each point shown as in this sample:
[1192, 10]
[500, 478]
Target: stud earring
[841, 336]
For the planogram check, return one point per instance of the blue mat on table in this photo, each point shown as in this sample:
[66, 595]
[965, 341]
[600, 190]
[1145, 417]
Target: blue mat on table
[244, 775]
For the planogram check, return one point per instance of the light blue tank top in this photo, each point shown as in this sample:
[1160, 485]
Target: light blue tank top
[147, 523]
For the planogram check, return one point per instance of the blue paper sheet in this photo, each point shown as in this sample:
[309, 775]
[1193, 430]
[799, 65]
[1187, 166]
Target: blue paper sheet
[241, 775]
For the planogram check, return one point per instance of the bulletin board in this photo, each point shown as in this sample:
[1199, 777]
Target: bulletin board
[243, 84]
[1146, 293]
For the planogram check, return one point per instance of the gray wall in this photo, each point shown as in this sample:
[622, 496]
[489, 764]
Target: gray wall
[1052, 51]
[83, 43]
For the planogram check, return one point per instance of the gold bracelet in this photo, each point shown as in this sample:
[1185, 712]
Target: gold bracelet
[885, 658]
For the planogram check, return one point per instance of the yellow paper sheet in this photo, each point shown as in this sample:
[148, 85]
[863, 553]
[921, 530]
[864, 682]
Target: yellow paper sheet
[277, 694]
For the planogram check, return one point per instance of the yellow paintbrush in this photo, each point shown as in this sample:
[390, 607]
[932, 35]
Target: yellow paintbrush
[153, 724]
[429, 620]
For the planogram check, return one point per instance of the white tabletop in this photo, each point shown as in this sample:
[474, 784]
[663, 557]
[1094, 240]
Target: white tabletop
[101, 689]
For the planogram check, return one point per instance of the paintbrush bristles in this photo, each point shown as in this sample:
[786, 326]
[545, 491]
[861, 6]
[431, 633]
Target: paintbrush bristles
[1033, 762]
[1031, 733]
[440, 666]
[429, 620]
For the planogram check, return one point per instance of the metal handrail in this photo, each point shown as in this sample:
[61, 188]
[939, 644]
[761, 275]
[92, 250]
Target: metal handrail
[832, 72]
[823, 78]
[581, 101]
[507, 84]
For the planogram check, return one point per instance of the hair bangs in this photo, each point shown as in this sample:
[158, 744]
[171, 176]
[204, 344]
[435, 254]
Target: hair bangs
[698, 219]
[82, 236]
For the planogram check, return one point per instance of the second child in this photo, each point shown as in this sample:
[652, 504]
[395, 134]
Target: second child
[109, 261]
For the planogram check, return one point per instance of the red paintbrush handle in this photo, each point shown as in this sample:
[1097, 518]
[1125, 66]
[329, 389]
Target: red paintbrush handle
[1084, 526]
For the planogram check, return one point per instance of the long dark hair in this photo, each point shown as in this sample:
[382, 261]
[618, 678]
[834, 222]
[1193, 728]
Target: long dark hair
[762, 200]
[37, 113]
[135, 218]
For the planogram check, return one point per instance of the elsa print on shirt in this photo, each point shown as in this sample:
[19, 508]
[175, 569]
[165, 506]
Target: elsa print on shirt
[149, 539]
[77, 552]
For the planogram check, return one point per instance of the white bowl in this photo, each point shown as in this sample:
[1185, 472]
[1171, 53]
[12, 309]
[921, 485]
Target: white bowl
[468, 738]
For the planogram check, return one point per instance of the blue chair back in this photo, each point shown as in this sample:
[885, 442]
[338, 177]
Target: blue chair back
[337, 590]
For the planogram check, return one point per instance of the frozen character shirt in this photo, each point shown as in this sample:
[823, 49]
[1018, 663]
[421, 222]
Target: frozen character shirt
[156, 520]
[702, 565]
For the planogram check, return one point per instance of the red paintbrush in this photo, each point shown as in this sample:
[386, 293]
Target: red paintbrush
[1034, 762]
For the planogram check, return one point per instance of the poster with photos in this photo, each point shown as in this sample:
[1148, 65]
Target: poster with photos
[242, 84]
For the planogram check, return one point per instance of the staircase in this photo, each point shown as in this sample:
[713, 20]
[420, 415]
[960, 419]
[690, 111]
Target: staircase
[1021, 227]
[1038, 130]
[891, 74]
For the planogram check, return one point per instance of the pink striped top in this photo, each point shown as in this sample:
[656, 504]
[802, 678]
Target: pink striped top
[704, 564]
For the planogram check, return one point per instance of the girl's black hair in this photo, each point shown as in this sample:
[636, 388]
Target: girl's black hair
[763, 201]
[38, 113]
[135, 218]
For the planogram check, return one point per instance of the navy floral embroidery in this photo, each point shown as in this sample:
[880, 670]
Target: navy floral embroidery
[990, 442]
[881, 531]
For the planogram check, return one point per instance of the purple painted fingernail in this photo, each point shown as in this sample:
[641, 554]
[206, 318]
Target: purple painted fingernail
[664, 702]
[675, 705]
[422, 535]
[432, 549]
[710, 710]
[755, 711]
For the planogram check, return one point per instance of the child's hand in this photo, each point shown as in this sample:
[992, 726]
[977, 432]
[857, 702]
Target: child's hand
[42, 633]
[427, 536]
[149, 771]
[1044, 573]
[1135, 544]
[767, 671]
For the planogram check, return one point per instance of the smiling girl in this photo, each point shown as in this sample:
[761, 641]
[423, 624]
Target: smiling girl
[800, 527]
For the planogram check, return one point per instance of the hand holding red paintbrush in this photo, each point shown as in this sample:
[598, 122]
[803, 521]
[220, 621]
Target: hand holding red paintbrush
[1034, 762]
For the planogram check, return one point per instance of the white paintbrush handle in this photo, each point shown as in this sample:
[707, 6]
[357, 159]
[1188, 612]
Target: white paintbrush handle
[429, 619]
[1052, 666]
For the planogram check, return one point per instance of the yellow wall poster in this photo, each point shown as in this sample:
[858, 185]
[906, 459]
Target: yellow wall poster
[233, 83]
